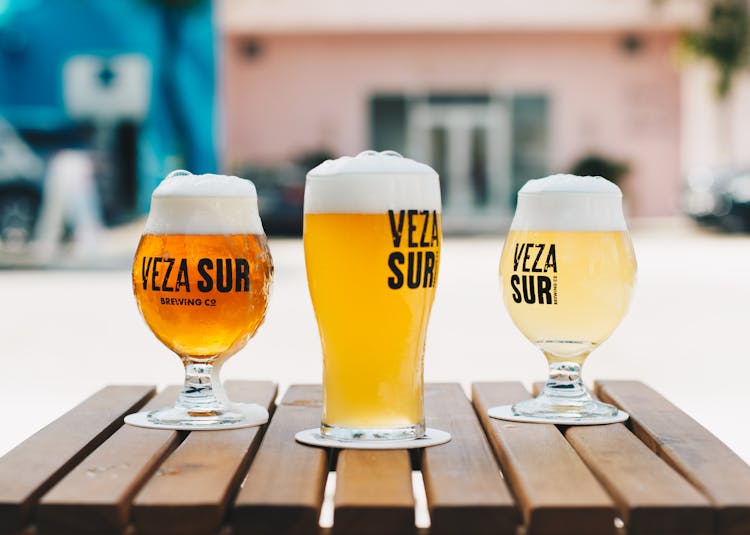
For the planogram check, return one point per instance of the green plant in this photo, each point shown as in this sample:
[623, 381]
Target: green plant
[725, 40]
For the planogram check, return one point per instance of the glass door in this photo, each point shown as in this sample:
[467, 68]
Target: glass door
[468, 144]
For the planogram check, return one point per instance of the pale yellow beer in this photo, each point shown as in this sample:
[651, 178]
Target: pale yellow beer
[567, 273]
[373, 335]
[372, 233]
[567, 291]
[203, 295]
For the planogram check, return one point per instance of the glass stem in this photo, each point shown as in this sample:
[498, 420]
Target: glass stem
[202, 394]
[565, 380]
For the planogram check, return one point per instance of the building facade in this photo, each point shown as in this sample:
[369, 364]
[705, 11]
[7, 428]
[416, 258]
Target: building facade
[489, 94]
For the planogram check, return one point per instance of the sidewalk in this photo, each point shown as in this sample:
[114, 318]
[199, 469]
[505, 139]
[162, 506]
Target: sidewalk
[68, 332]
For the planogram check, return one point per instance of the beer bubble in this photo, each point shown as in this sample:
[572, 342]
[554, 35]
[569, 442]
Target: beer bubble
[184, 203]
[569, 203]
[372, 182]
[178, 172]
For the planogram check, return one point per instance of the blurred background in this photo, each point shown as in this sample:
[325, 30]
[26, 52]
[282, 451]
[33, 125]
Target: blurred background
[99, 100]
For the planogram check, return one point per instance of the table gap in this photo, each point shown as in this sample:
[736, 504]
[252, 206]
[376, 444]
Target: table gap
[326, 509]
[421, 511]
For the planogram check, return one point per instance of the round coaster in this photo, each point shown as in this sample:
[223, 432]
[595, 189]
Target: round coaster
[254, 415]
[432, 437]
[505, 412]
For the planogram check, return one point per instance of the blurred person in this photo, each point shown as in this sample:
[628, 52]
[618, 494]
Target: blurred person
[69, 200]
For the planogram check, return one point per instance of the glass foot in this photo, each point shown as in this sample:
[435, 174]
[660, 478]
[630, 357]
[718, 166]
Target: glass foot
[551, 407]
[235, 415]
[370, 434]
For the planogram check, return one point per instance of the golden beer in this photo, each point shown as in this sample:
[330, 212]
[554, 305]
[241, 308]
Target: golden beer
[372, 234]
[373, 335]
[203, 296]
[567, 291]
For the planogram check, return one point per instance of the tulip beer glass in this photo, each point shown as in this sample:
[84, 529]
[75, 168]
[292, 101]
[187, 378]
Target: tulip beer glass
[567, 273]
[372, 233]
[201, 277]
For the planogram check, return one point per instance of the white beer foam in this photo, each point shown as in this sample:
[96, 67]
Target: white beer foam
[372, 183]
[571, 184]
[184, 203]
[569, 203]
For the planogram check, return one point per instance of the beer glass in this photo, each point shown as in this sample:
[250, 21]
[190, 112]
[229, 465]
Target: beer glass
[567, 272]
[372, 233]
[201, 277]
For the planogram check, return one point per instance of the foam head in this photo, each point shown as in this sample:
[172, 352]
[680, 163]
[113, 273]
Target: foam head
[569, 202]
[371, 182]
[184, 203]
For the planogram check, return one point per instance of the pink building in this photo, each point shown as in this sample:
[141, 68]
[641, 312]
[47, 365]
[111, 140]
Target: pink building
[490, 93]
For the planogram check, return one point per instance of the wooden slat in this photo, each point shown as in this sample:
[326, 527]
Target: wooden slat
[651, 496]
[95, 496]
[373, 493]
[692, 450]
[556, 491]
[465, 489]
[284, 488]
[190, 492]
[34, 466]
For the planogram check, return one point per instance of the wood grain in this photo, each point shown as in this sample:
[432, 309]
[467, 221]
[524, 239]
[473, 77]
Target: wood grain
[373, 493]
[693, 451]
[556, 491]
[190, 492]
[34, 466]
[466, 492]
[95, 496]
[283, 490]
[650, 495]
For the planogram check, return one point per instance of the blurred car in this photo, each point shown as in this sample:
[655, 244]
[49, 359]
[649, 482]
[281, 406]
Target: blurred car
[281, 192]
[720, 197]
[21, 184]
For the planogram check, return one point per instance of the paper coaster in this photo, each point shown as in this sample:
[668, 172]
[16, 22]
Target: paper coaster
[432, 437]
[505, 412]
[254, 415]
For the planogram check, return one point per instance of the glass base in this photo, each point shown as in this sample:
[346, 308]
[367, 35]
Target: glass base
[373, 433]
[551, 407]
[233, 416]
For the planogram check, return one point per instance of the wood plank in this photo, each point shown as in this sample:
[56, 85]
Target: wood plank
[466, 492]
[373, 493]
[556, 491]
[691, 449]
[284, 488]
[190, 492]
[34, 466]
[650, 495]
[95, 496]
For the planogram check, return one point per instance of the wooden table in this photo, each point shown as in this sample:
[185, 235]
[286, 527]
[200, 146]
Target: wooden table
[663, 473]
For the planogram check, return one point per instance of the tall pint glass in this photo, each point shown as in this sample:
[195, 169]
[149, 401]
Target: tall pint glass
[372, 233]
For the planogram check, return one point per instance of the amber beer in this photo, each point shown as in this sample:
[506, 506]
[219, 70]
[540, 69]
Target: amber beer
[372, 234]
[203, 295]
[201, 277]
